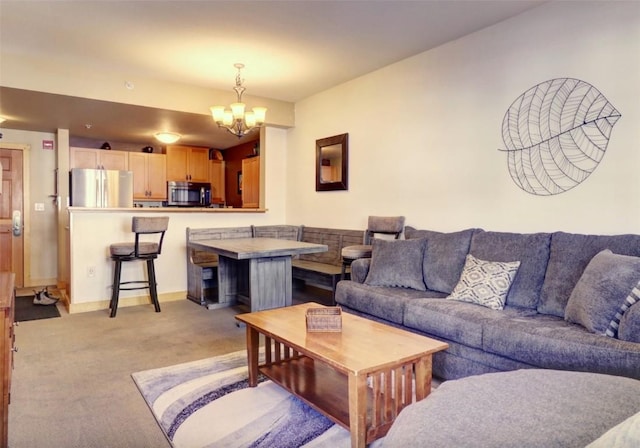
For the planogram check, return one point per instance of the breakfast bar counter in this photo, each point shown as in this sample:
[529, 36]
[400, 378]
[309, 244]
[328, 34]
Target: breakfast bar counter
[169, 210]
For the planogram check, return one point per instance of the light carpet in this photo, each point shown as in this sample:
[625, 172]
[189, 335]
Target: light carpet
[208, 403]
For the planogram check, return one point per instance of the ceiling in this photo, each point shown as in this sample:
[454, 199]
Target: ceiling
[291, 49]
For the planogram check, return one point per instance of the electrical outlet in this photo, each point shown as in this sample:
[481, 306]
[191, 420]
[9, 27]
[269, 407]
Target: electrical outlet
[91, 271]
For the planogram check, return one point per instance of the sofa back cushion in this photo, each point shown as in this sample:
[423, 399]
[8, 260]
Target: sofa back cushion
[444, 256]
[531, 250]
[570, 254]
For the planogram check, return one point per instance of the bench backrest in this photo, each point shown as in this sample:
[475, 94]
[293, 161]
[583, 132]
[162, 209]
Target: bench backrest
[283, 232]
[200, 256]
[335, 239]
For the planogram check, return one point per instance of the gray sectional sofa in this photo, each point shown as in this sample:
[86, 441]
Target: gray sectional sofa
[556, 307]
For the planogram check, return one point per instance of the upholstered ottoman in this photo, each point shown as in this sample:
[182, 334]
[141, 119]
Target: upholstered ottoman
[522, 408]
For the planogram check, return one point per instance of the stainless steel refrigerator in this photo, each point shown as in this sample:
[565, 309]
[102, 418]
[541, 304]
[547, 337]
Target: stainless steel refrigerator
[101, 188]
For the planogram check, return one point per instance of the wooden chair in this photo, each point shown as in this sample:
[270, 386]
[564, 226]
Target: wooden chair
[377, 225]
[138, 250]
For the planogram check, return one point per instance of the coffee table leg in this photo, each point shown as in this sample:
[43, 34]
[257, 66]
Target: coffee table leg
[253, 339]
[423, 377]
[358, 410]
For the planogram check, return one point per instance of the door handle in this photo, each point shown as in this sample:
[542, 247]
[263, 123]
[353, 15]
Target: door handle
[17, 223]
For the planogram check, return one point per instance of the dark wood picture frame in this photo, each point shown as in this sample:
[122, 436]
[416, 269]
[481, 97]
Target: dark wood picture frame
[333, 149]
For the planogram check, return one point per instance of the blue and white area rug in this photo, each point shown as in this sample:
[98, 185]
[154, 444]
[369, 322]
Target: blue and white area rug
[208, 403]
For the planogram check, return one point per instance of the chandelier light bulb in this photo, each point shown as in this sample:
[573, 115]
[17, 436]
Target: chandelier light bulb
[249, 120]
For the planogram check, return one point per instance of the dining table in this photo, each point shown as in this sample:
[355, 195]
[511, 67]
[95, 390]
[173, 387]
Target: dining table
[256, 271]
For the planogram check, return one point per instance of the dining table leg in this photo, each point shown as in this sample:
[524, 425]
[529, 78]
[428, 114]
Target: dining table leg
[270, 282]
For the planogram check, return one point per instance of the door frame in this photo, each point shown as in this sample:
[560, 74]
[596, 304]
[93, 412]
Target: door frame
[26, 208]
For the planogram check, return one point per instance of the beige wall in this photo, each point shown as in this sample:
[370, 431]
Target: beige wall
[424, 133]
[41, 225]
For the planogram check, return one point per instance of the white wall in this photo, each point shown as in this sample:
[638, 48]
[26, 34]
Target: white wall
[424, 132]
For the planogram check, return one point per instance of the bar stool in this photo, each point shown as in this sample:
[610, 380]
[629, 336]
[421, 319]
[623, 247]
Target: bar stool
[138, 250]
[387, 225]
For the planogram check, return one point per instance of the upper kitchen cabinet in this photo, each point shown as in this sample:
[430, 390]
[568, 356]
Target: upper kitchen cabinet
[149, 176]
[217, 179]
[187, 163]
[98, 158]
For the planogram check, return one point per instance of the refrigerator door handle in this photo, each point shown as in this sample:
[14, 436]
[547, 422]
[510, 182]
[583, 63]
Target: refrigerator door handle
[105, 188]
[98, 191]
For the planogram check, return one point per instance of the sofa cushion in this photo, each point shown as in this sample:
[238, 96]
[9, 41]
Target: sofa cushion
[455, 321]
[444, 256]
[629, 329]
[570, 254]
[550, 342]
[484, 282]
[602, 289]
[397, 263]
[531, 408]
[532, 250]
[384, 302]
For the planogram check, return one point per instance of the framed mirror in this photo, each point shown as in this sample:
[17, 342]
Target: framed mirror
[332, 163]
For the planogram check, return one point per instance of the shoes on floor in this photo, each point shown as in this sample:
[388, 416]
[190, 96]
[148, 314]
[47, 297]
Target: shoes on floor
[44, 297]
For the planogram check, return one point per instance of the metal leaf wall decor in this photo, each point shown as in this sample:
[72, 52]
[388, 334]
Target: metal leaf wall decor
[556, 134]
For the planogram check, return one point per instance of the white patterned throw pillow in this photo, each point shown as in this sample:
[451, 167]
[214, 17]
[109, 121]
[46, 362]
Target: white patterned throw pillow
[485, 283]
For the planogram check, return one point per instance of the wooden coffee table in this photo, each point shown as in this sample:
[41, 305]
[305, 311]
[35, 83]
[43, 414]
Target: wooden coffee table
[360, 378]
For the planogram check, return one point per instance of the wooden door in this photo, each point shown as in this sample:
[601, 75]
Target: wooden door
[199, 165]
[11, 245]
[157, 177]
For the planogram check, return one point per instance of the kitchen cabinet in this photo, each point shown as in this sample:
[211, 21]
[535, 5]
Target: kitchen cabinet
[187, 163]
[98, 158]
[149, 176]
[251, 182]
[7, 341]
[217, 179]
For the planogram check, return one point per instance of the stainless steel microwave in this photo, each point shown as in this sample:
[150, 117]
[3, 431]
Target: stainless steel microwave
[188, 194]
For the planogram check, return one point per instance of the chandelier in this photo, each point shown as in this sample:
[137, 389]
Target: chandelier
[236, 120]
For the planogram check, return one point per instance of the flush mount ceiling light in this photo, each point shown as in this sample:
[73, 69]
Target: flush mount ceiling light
[167, 137]
[236, 120]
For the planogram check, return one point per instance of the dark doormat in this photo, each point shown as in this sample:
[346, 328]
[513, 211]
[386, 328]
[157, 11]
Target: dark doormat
[26, 310]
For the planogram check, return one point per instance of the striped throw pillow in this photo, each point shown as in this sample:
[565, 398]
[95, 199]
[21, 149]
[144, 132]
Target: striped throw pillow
[633, 297]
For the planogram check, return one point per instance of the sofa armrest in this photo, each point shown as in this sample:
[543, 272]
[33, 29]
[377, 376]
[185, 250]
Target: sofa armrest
[360, 269]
